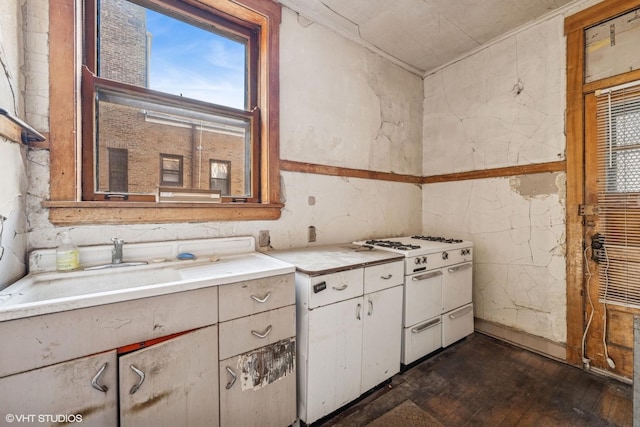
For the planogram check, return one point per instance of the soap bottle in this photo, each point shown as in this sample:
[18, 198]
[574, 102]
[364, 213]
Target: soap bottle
[67, 255]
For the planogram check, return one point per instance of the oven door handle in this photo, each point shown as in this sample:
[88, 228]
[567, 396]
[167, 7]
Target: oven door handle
[425, 326]
[461, 312]
[459, 267]
[427, 276]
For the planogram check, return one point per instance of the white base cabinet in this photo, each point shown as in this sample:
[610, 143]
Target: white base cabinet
[159, 361]
[349, 335]
[171, 383]
[257, 353]
[68, 393]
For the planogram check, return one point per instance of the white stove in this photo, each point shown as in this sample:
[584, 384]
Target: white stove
[437, 304]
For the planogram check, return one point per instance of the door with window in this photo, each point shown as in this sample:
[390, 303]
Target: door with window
[612, 225]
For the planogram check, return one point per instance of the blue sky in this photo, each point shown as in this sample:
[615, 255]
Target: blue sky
[195, 63]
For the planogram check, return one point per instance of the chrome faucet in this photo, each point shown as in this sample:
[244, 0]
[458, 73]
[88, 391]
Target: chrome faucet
[117, 258]
[116, 252]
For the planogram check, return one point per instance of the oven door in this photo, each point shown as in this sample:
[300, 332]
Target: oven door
[422, 297]
[456, 286]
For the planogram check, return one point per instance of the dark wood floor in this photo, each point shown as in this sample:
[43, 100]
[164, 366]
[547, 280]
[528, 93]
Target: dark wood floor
[481, 381]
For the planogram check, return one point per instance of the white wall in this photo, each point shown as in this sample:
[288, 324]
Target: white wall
[504, 105]
[13, 178]
[340, 105]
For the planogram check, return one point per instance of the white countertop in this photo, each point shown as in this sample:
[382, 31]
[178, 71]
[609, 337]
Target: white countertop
[328, 259]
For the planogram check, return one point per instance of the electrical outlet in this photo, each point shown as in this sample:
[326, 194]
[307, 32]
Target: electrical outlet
[312, 233]
[263, 238]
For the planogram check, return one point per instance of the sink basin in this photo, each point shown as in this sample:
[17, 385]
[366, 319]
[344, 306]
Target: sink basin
[48, 286]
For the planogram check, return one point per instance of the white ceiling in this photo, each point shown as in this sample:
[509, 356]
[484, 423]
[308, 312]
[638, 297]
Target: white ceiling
[422, 35]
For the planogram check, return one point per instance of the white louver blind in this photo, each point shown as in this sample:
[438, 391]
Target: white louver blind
[618, 152]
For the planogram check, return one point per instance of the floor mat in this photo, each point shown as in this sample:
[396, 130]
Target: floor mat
[406, 414]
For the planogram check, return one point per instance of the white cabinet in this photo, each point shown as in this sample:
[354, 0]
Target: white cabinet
[257, 353]
[174, 382]
[66, 391]
[160, 361]
[349, 335]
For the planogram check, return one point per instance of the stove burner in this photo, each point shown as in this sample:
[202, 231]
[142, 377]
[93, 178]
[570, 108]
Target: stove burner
[391, 244]
[437, 239]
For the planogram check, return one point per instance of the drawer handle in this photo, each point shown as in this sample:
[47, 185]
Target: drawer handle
[427, 276]
[261, 300]
[234, 377]
[140, 379]
[340, 288]
[461, 312]
[387, 277]
[95, 382]
[264, 334]
[459, 267]
[425, 326]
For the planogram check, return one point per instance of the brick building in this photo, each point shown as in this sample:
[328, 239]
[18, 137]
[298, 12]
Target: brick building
[177, 150]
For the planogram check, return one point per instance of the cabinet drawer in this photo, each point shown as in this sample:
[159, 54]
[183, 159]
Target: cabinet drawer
[255, 296]
[247, 333]
[383, 276]
[334, 287]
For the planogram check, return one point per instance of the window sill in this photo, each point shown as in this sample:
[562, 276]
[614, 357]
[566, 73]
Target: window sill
[85, 213]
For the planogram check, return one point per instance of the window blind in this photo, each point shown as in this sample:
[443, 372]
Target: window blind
[618, 168]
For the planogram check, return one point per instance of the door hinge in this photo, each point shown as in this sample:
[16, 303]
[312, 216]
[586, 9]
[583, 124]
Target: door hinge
[584, 210]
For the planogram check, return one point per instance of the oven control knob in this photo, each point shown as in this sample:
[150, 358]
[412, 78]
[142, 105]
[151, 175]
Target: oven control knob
[417, 261]
[445, 255]
[424, 259]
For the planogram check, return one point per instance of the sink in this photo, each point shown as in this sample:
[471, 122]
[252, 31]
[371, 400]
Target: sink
[49, 292]
[48, 286]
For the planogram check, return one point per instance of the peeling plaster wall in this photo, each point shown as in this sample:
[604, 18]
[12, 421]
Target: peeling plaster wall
[345, 106]
[504, 106]
[13, 178]
[340, 105]
[518, 234]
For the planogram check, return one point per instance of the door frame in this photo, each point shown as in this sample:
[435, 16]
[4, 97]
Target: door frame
[577, 90]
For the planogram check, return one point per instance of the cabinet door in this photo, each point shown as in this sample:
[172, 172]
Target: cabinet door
[65, 389]
[334, 357]
[173, 383]
[258, 388]
[381, 336]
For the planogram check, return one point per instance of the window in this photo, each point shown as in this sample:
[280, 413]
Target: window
[127, 104]
[618, 162]
[181, 79]
[170, 170]
[118, 170]
[219, 176]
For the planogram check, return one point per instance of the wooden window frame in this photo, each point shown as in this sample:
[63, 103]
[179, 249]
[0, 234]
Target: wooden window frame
[180, 173]
[66, 206]
[228, 180]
